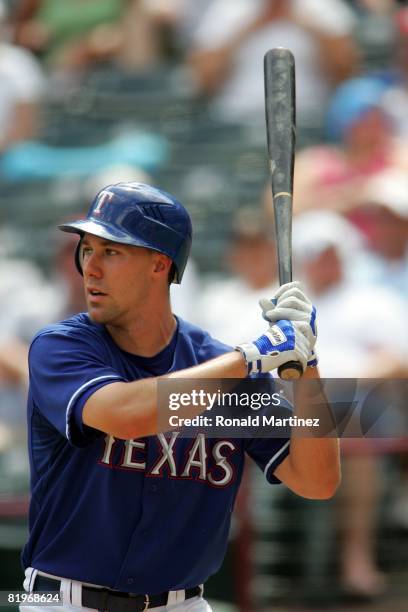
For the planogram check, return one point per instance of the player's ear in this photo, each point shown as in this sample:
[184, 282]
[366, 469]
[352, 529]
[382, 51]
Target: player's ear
[161, 265]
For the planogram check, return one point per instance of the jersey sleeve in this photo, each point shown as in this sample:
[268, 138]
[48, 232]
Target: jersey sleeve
[268, 453]
[65, 369]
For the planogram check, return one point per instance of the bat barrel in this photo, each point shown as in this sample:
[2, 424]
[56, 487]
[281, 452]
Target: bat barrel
[280, 110]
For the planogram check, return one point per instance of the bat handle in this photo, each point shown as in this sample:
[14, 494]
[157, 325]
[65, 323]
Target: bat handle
[292, 370]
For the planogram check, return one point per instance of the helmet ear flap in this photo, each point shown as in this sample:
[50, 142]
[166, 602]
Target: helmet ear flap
[78, 257]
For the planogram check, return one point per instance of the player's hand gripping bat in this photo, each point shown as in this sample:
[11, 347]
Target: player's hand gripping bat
[280, 108]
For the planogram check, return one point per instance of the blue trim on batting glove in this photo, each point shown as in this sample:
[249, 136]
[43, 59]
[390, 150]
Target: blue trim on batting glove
[313, 321]
[289, 331]
[265, 346]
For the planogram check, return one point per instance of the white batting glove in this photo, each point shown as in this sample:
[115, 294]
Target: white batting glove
[290, 302]
[284, 341]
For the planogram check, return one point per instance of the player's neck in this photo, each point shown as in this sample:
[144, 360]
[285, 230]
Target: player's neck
[147, 334]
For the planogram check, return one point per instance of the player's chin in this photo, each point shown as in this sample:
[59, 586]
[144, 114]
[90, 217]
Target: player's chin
[97, 314]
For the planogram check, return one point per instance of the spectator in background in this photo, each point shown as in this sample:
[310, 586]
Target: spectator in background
[180, 17]
[22, 87]
[395, 100]
[77, 36]
[26, 304]
[375, 31]
[382, 216]
[25, 299]
[385, 204]
[58, 31]
[251, 259]
[228, 49]
[326, 247]
[364, 144]
[326, 250]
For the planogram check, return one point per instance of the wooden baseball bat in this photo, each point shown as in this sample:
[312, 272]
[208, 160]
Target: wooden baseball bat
[280, 110]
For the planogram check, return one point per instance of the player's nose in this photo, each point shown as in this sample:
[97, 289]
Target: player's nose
[91, 266]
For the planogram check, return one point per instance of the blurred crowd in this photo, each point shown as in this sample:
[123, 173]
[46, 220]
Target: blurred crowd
[171, 91]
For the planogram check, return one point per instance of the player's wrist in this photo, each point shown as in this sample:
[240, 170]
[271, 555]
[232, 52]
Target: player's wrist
[240, 364]
[250, 354]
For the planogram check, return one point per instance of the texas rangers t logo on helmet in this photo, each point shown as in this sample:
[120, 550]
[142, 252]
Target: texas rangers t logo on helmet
[104, 196]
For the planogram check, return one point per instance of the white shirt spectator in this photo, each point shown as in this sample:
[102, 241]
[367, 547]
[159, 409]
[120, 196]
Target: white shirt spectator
[230, 310]
[354, 323]
[27, 302]
[23, 82]
[184, 297]
[242, 96]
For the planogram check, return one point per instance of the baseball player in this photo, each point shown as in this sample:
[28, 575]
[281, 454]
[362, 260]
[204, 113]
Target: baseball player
[123, 516]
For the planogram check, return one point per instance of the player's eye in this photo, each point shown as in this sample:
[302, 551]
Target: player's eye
[111, 252]
[86, 251]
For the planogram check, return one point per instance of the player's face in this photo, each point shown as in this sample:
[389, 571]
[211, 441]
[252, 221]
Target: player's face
[117, 279]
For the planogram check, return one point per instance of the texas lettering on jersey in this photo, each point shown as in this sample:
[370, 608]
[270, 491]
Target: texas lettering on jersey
[199, 460]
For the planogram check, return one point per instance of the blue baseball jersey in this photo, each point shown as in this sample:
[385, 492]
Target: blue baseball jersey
[145, 515]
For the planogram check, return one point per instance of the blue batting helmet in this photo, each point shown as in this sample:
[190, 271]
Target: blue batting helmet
[139, 215]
